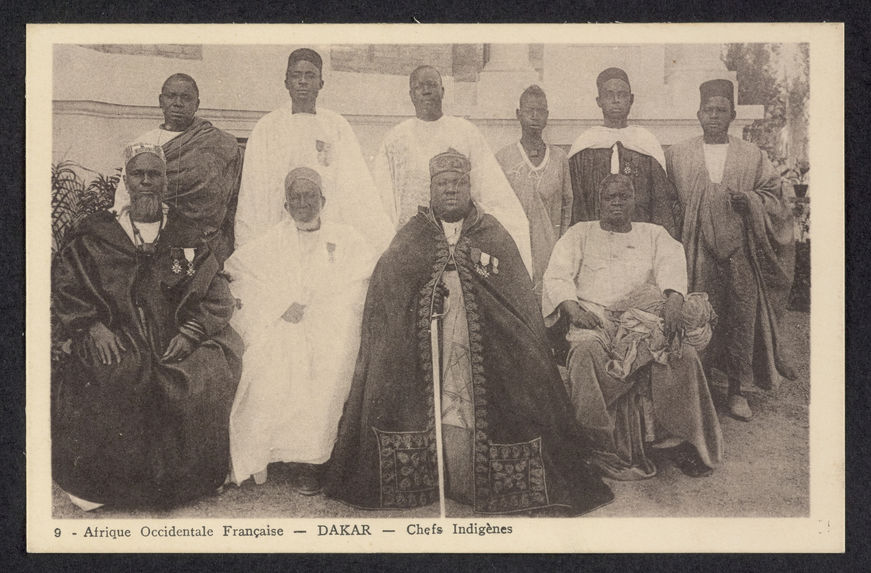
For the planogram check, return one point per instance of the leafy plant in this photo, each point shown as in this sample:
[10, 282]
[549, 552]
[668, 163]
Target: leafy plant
[72, 199]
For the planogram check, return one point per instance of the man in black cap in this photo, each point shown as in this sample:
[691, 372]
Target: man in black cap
[303, 134]
[616, 147]
[738, 236]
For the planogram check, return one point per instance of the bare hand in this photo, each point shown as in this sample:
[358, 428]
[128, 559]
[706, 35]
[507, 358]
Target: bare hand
[671, 311]
[739, 202]
[294, 313]
[578, 316]
[106, 343]
[441, 293]
[178, 349]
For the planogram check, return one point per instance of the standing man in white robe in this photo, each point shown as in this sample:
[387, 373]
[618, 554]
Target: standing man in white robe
[402, 162]
[301, 134]
[301, 286]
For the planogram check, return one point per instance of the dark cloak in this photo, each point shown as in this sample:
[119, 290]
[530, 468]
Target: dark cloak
[656, 200]
[203, 167]
[142, 432]
[528, 452]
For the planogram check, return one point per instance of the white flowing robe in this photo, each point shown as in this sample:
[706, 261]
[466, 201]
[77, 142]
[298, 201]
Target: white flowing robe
[598, 268]
[323, 141]
[295, 377]
[401, 173]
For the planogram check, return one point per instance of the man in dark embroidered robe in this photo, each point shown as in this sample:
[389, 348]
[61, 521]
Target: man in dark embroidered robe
[510, 442]
[616, 147]
[203, 166]
[739, 241]
[140, 409]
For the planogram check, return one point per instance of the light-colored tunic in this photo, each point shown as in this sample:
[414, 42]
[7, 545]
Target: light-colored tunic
[295, 377]
[598, 268]
[622, 408]
[324, 141]
[545, 192]
[401, 173]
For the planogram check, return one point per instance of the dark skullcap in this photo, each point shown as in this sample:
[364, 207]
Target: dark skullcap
[450, 160]
[305, 55]
[611, 74]
[713, 88]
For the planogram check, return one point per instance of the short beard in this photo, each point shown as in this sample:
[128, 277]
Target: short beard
[145, 207]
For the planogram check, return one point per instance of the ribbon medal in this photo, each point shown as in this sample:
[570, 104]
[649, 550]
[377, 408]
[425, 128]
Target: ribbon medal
[324, 152]
[183, 261]
[484, 263]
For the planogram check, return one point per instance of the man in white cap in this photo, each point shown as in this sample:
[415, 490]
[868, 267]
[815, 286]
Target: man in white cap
[140, 409]
[300, 287]
[738, 236]
[301, 133]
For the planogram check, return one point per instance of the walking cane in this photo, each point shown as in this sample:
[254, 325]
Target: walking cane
[437, 396]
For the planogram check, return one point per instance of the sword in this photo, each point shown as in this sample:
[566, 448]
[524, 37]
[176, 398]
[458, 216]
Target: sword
[437, 391]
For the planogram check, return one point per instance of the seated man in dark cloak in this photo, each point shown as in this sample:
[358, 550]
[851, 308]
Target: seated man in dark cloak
[140, 409]
[510, 441]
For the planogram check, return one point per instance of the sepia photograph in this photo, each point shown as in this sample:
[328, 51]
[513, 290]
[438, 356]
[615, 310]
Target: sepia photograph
[398, 285]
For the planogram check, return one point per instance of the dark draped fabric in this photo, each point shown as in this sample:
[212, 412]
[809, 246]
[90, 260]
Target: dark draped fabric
[204, 166]
[142, 431]
[744, 262]
[656, 199]
[528, 453]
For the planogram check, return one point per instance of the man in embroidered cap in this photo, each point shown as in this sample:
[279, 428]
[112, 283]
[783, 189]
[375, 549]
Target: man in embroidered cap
[539, 175]
[203, 166]
[617, 147]
[140, 408]
[738, 236]
[301, 133]
[635, 380]
[402, 163]
[510, 442]
[300, 287]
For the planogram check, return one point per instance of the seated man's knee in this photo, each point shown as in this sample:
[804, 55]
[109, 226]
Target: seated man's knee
[585, 348]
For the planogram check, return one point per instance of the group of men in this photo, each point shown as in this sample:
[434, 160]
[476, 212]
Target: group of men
[393, 337]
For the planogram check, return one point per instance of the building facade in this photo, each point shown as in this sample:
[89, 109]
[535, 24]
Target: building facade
[106, 95]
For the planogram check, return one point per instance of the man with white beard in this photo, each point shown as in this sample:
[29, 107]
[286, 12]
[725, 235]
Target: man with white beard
[140, 409]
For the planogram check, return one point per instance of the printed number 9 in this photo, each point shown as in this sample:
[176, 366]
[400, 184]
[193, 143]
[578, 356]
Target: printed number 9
[57, 531]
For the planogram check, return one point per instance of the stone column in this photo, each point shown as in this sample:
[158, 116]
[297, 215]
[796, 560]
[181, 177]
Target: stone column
[687, 66]
[504, 77]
